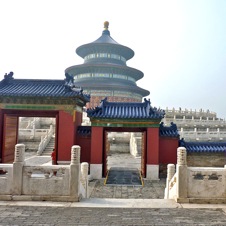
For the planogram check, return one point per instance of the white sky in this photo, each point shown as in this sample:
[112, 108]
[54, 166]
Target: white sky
[180, 46]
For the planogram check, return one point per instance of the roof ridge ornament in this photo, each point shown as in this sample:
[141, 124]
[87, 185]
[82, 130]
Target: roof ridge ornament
[106, 24]
[106, 31]
[8, 76]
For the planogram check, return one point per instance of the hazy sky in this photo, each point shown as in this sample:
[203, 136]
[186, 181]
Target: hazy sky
[180, 46]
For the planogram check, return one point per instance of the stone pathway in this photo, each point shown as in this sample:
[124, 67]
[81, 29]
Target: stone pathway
[123, 176]
[123, 159]
[150, 190]
[31, 159]
[53, 215]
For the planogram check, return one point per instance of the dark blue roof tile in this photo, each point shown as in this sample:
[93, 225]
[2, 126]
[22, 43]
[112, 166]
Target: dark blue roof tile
[203, 146]
[39, 88]
[121, 110]
[168, 131]
[84, 130]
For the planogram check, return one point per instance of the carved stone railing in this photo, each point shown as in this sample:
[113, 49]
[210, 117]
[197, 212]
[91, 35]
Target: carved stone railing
[32, 133]
[195, 184]
[48, 182]
[45, 140]
[33, 124]
[84, 180]
[190, 112]
[170, 181]
[134, 145]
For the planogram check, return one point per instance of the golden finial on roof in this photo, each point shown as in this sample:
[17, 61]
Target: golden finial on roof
[106, 24]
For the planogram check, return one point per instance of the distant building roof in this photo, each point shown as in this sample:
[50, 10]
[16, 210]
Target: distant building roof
[10, 87]
[119, 110]
[105, 43]
[203, 146]
[84, 130]
[168, 131]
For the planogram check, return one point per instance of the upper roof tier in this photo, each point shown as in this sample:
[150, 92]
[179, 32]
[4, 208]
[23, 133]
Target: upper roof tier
[105, 44]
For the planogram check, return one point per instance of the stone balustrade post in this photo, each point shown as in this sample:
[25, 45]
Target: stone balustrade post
[18, 169]
[33, 130]
[75, 171]
[170, 174]
[181, 173]
[84, 172]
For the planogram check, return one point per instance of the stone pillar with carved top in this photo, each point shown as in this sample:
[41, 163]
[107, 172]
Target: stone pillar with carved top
[170, 174]
[181, 173]
[84, 173]
[18, 169]
[75, 172]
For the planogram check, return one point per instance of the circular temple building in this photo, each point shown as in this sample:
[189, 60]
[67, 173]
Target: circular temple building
[104, 72]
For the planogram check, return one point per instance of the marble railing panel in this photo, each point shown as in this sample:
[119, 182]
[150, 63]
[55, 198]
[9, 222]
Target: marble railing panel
[46, 180]
[206, 182]
[6, 179]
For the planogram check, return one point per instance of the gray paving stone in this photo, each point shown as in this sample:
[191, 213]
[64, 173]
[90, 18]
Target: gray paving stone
[110, 216]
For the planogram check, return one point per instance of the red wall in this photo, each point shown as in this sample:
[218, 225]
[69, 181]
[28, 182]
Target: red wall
[66, 134]
[168, 150]
[153, 146]
[85, 143]
[1, 135]
[77, 118]
[97, 145]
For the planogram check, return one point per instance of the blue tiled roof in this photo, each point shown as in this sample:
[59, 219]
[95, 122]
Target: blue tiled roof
[203, 146]
[126, 110]
[39, 88]
[105, 38]
[84, 130]
[168, 131]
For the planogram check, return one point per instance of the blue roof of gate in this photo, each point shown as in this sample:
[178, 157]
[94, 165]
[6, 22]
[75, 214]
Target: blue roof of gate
[121, 110]
[168, 131]
[84, 130]
[203, 146]
[39, 87]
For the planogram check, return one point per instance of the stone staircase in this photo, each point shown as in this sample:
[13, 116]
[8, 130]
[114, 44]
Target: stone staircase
[49, 148]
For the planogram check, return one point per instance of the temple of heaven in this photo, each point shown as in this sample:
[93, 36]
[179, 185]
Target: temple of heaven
[104, 72]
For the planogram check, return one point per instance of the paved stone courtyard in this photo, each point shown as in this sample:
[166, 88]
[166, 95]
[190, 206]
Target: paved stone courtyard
[50, 215]
[150, 190]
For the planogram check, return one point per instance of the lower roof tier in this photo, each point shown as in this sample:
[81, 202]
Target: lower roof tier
[105, 68]
[108, 85]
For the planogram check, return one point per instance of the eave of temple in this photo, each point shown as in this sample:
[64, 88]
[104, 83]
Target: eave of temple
[105, 68]
[87, 49]
[105, 44]
[104, 84]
